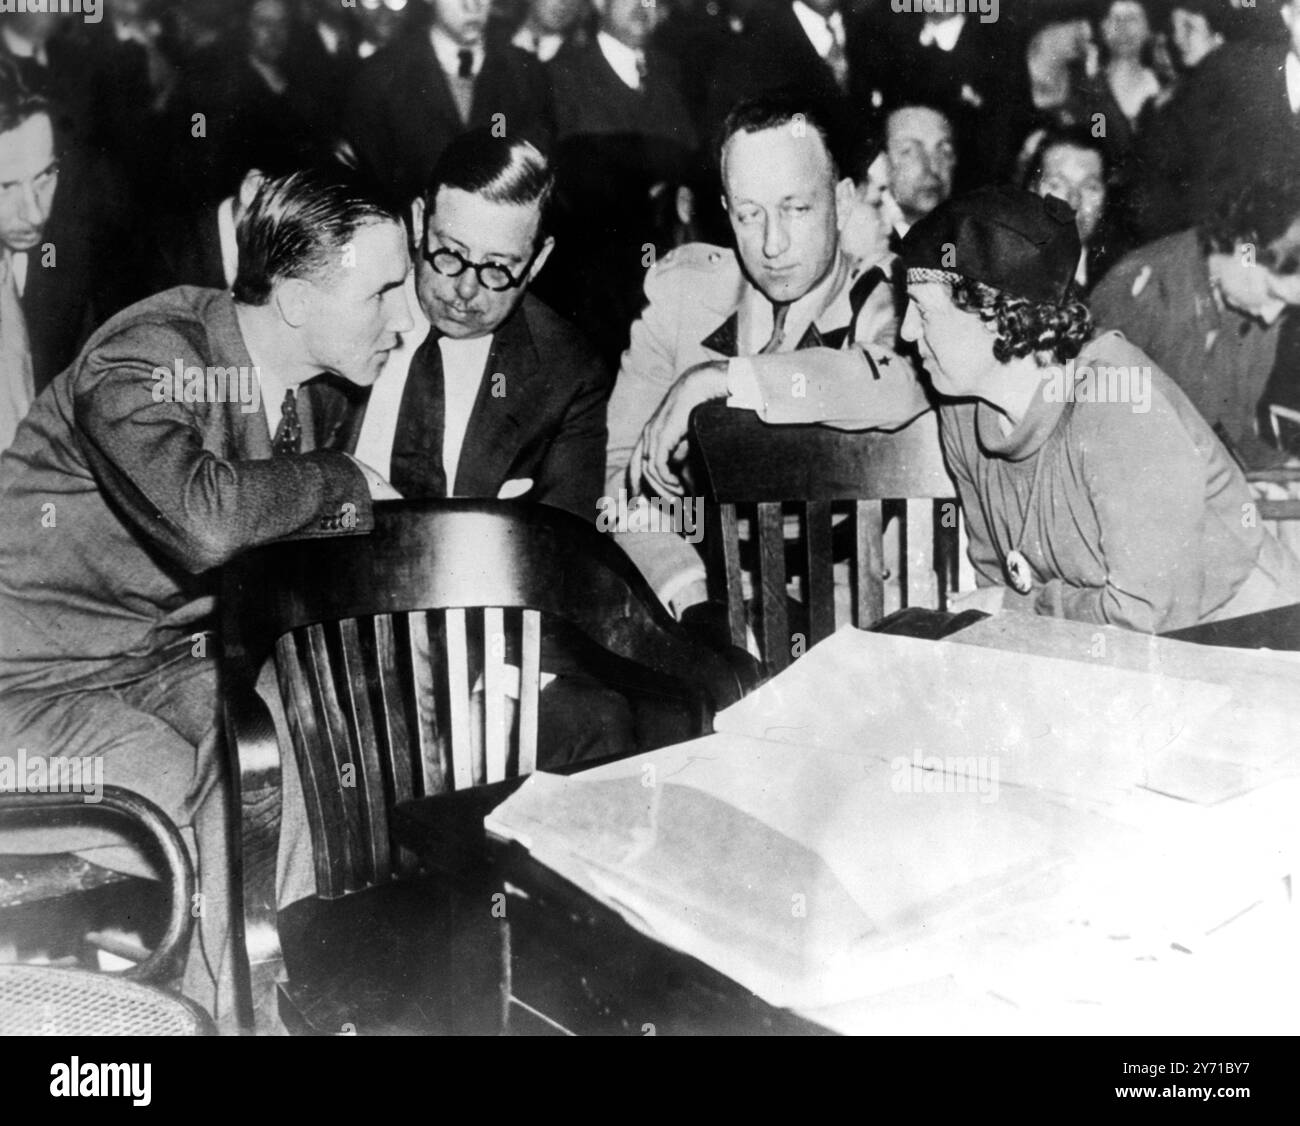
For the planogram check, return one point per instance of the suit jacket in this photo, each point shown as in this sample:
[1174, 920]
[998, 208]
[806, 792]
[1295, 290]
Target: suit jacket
[186, 251]
[697, 307]
[544, 420]
[121, 504]
[774, 52]
[401, 114]
[89, 272]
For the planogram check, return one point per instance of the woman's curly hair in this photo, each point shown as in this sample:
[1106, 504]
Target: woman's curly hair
[1050, 333]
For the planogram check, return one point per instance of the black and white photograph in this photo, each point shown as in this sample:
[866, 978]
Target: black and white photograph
[651, 518]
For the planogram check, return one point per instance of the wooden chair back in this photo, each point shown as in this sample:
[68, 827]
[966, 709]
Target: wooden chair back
[749, 468]
[394, 650]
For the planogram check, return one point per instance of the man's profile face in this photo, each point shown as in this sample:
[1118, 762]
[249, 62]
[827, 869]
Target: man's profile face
[628, 21]
[955, 346]
[479, 231]
[1251, 287]
[922, 160]
[357, 311]
[1076, 176]
[462, 20]
[29, 175]
[780, 194]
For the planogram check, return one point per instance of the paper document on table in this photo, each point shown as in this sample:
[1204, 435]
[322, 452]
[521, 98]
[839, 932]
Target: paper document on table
[800, 873]
[1076, 728]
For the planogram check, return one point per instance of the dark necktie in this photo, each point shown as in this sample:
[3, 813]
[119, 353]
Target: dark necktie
[466, 61]
[837, 60]
[288, 435]
[416, 469]
[641, 68]
[779, 314]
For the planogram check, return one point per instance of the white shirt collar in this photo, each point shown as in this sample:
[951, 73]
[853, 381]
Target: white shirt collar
[621, 58]
[271, 387]
[226, 237]
[448, 52]
[23, 48]
[464, 363]
[822, 31]
[543, 46]
[19, 263]
[1293, 81]
[944, 34]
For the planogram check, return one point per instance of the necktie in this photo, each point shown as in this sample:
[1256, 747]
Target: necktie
[835, 57]
[416, 469]
[17, 383]
[465, 59]
[640, 69]
[779, 314]
[288, 435]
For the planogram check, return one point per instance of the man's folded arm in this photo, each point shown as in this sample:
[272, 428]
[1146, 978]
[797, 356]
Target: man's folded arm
[199, 508]
[861, 388]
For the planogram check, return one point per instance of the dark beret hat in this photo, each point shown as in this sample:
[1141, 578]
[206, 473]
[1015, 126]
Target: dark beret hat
[1011, 239]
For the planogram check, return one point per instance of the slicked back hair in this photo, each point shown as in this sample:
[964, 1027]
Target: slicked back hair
[17, 102]
[298, 225]
[500, 170]
[774, 111]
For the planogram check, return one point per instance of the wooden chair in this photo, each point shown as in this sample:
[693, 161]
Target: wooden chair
[390, 650]
[743, 465]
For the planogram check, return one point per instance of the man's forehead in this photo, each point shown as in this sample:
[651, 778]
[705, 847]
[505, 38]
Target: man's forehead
[793, 153]
[917, 123]
[469, 218]
[30, 140]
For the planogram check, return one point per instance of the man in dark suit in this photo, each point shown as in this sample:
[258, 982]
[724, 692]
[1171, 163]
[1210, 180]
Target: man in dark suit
[974, 70]
[625, 138]
[493, 395]
[186, 433]
[414, 96]
[61, 243]
[810, 48]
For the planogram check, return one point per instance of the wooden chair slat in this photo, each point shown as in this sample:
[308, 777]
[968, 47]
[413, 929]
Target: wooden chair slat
[771, 578]
[368, 779]
[869, 563]
[494, 694]
[391, 724]
[465, 771]
[734, 595]
[529, 680]
[820, 585]
[432, 744]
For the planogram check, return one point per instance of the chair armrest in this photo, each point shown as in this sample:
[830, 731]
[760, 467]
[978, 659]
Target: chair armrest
[165, 960]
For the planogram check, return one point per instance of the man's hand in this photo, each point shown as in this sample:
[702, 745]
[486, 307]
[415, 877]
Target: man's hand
[379, 488]
[663, 441]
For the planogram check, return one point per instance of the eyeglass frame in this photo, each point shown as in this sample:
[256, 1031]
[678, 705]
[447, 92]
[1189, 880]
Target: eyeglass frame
[478, 267]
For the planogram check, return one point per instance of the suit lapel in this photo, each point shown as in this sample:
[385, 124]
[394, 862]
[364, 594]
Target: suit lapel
[492, 438]
[725, 339]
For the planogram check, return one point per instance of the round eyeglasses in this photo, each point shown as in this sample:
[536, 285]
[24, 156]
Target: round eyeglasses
[491, 275]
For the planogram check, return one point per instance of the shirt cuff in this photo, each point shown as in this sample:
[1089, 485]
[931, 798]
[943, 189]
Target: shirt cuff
[742, 385]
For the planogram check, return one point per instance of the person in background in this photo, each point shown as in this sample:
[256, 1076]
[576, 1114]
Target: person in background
[1206, 304]
[1071, 164]
[1120, 509]
[549, 24]
[416, 95]
[922, 161]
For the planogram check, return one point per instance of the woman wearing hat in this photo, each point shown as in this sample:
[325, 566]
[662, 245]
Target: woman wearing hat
[1092, 488]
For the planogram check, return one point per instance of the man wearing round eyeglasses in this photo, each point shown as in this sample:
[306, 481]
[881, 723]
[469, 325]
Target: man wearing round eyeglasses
[493, 394]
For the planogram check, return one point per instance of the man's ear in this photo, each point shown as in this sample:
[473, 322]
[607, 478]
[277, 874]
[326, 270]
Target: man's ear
[292, 300]
[845, 190]
[542, 256]
[417, 220]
